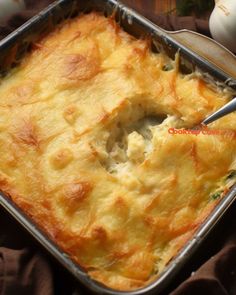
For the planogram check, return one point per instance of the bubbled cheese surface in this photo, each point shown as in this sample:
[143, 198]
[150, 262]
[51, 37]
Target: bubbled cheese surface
[86, 153]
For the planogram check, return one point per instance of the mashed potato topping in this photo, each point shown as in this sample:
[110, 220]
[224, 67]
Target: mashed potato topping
[86, 152]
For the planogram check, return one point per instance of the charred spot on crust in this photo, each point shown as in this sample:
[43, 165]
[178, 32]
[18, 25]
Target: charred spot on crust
[80, 67]
[27, 133]
[99, 233]
[75, 194]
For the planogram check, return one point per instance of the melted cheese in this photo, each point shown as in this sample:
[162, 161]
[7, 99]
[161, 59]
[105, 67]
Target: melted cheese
[82, 156]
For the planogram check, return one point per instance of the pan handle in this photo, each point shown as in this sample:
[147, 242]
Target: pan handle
[207, 48]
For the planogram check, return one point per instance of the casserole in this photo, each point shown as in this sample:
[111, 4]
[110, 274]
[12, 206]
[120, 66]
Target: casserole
[27, 133]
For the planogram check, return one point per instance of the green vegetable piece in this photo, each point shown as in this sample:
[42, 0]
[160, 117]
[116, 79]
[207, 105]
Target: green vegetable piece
[232, 174]
[167, 67]
[216, 195]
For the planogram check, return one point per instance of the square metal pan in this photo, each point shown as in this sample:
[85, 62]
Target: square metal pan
[16, 45]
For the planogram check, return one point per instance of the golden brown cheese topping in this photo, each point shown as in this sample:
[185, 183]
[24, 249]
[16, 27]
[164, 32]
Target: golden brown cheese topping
[87, 152]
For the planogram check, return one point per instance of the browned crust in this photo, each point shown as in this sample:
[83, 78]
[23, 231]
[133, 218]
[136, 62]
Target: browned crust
[77, 87]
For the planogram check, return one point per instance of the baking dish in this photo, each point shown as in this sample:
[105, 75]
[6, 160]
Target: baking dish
[122, 18]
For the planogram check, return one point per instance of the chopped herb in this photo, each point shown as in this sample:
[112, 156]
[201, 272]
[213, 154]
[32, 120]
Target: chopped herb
[167, 67]
[231, 174]
[216, 195]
